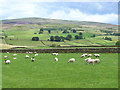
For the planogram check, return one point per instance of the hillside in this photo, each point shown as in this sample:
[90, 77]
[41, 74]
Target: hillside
[19, 32]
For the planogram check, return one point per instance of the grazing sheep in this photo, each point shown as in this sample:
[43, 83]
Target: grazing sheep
[87, 59]
[85, 54]
[97, 55]
[14, 54]
[89, 55]
[56, 59]
[55, 54]
[5, 57]
[71, 60]
[7, 61]
[7, 52]
[26, 52]
[33, 59]
[26, 56]
[14, 58]
[82, 55]
[97, 60]
[36, 54]
[90, 61]
[30, 52]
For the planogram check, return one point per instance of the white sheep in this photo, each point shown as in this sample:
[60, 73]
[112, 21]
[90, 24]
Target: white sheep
[90, 61]
[26, 52]
[14, 54]
[33, 59]
[36, 54]
[14, 58]
[56, 59]
[30, 52]
[71, 60]
[26, 56]
[82, 55]
[87, 59]
[89, 55]
[7, 61]
[97, 60]
[97, 55]
[5, 57]
[7, 52]
[55, 54]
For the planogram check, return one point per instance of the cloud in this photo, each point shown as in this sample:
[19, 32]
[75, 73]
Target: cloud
[11, 9]
[77, 15]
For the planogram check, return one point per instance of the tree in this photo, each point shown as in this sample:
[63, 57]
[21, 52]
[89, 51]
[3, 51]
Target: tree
[93, 35]
[80, 37]
[80, 33]
[35, 38]
[62, 38]
[118, 43]
[57, 38]
[74, 31]
[65, 31]
[41, 31]
[52, 38]
[69, 37]
[76, 37]
[49, 31]
[35, 33]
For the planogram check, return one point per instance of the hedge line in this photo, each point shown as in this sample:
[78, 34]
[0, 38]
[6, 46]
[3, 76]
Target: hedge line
[79, 50]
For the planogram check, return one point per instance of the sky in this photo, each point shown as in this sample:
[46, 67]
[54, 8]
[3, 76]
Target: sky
[105, 11]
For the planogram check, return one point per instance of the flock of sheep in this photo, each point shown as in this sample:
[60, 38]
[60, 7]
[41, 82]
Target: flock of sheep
[88, 60]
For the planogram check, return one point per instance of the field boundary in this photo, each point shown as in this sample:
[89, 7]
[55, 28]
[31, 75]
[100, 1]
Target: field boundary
[76, 50]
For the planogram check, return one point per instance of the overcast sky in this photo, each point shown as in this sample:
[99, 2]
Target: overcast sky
[105, 11]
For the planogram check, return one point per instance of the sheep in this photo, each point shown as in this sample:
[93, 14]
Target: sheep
[55, 54]
[26, 56]
[71, 60]
[36, 54]
[7, 61]
[89, 55]
[82, 55]
[90, 61]
[33, 59]
[14, 54]
[97, 55]
[87, 59]
[97, 60]
[30, 52]
[85, 54]
[14, 58]
[7, 52]
[26, 52]
[5, 57]
[56, 59]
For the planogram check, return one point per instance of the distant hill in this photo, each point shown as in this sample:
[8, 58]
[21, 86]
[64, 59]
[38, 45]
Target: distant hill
[41, 21]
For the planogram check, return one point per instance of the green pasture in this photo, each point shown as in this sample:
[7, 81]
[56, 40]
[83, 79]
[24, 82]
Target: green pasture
[46, 73]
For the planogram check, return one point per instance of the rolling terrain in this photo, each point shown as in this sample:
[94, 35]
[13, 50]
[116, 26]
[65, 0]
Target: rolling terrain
[19, 32]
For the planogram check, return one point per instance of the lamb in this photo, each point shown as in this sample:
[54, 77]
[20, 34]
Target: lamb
[97, 55]
[7, 61]
[14, 54]
[56, 59]
[55, 54]
[36, 54]
[89, 55]
[7, 52]
[33, 59]
[71, 60]
[26, 56]
[5, 57]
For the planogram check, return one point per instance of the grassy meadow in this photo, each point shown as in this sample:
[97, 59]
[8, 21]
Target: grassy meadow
[44, 72]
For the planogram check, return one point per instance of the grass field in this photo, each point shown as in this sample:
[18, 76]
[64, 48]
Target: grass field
[46, 73]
